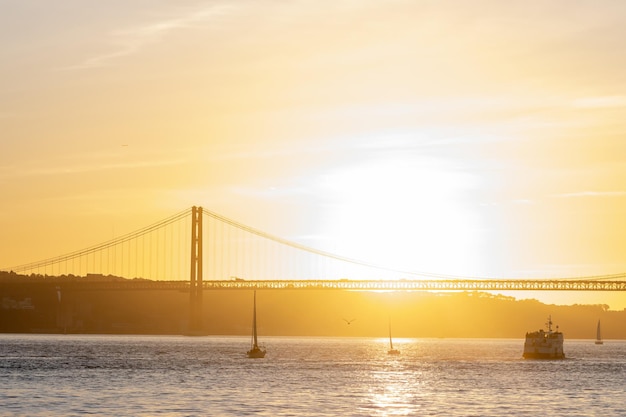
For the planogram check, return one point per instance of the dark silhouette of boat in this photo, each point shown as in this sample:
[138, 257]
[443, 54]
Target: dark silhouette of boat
[598, 335]
[255, 351]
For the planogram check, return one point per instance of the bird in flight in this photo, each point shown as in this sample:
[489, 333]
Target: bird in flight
[348, 321]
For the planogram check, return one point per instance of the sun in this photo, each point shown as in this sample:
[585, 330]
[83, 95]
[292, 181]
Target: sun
[405, 212]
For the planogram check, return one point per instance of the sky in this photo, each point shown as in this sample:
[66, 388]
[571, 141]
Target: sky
[478, 138]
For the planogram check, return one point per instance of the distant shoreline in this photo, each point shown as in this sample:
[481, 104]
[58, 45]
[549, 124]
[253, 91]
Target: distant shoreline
[36, 308]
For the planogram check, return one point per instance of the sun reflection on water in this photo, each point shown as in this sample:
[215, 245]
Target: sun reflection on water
[395, 380]
[393, 394]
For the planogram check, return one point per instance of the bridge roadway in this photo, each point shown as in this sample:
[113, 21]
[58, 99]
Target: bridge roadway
[362, 285]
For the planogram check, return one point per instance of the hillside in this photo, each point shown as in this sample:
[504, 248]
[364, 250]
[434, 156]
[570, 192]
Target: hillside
[36, 308]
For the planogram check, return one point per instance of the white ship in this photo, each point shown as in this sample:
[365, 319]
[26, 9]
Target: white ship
[544, 345]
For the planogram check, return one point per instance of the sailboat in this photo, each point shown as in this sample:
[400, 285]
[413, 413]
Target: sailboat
[255, 351]
[391, 350]
[598, 335]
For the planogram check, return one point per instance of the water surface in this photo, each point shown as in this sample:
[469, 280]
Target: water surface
[188, 376]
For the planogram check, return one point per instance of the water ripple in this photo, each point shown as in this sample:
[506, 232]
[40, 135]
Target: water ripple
[180, 376]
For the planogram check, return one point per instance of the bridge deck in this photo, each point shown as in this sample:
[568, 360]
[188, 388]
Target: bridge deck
[413, 285]
[355, 285]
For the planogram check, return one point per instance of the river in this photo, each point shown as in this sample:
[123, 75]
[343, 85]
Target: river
[72, 375]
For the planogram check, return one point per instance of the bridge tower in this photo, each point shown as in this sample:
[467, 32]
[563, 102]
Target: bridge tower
[195, 288]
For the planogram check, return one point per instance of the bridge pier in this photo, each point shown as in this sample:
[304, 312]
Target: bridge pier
[195, 287]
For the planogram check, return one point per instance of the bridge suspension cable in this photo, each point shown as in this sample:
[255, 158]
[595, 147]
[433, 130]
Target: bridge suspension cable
[353, 261]
[232, 250]
[318, 252]
[99, 247]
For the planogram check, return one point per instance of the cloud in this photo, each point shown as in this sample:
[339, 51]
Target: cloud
[130, 41]
[600, 102]
[593, 194]
[13, 172]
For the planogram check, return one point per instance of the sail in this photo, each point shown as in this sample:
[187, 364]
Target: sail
[598, 335]
[391, 350]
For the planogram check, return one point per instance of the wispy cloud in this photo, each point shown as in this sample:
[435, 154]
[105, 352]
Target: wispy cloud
[13, 172]
[129, 41]
[600, 102]
[593, 194]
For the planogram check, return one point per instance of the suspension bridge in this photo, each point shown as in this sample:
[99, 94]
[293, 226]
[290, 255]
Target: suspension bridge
[200, 248]
[197, 250]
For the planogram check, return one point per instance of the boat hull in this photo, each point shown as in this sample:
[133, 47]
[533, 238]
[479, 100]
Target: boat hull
[256, 353]
[544, 347]
[540, 355]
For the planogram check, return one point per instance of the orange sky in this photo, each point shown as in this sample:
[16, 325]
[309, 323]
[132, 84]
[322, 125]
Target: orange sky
[481, 138]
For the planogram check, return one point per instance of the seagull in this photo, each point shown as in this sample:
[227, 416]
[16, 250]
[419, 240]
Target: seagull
[349, 321]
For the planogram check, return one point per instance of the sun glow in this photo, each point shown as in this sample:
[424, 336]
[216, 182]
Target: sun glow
[405, 211]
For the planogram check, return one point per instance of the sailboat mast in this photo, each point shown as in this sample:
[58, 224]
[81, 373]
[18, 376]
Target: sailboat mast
[390, 340]
[254, 337]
